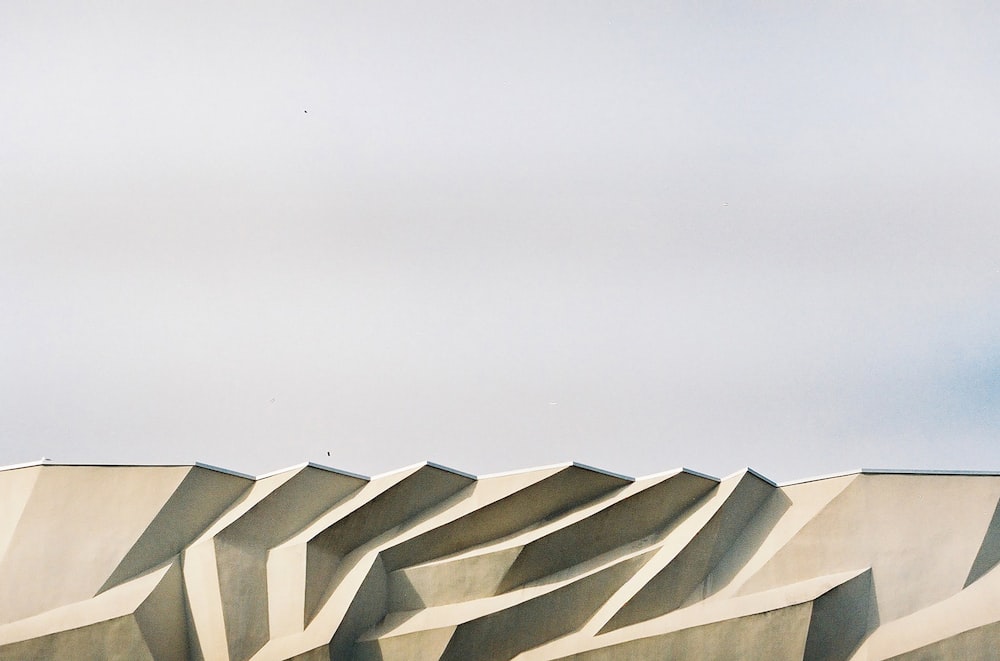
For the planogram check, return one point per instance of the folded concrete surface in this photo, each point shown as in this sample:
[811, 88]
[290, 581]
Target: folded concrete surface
[560, 562]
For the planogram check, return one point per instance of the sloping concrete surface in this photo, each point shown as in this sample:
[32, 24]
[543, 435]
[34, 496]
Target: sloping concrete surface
[560, 562]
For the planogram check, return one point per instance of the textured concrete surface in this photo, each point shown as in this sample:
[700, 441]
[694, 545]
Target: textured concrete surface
[560, 562]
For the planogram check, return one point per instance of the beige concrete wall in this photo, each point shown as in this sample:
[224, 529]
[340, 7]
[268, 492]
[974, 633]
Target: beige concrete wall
[190, 562]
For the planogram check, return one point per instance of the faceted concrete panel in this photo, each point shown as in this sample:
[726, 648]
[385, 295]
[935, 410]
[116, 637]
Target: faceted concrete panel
[394, 507]
[197, 501]
[989, 551]
[640, 515]
[672, 585]
[450, 581]
[182, 562]
[908, 528]
[840, 619]
[77, 525]
[15, 490]
[979, 644]
[423, 645]
[114, 640]
[241, 549]
[777, 634]
[368, 607]
[538, 620]
[163, 620]
[571, 487]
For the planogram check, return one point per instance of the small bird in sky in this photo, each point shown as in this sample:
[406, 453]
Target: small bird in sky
[328, 453]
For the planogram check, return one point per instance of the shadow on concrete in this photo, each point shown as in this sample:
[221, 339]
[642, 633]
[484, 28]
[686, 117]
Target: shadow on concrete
[989, 550]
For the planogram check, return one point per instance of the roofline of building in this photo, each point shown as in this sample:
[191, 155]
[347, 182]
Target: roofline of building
[568, 464]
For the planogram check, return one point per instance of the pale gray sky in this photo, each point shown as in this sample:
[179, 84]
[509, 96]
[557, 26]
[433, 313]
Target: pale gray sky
[501, 234]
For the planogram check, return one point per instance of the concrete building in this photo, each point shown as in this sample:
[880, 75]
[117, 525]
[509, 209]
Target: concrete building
[309, 563]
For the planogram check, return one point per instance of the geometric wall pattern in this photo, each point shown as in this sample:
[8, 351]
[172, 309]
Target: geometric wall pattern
[560, 562]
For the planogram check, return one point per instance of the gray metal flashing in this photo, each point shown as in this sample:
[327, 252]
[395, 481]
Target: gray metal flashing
[26, 464]
[697, 474]
[891, 471]
[761, 477]
[421, 464]
[449, 469]
[518, 471]
[289, 469]
[662, 475]
[405, 469]
[88, 464]
[744, 471]
[627, 478]
[330, 469]
[227, 471]
[906, 471]
[829, 476]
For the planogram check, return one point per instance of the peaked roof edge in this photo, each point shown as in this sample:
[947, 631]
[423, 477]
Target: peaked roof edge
[856, 471]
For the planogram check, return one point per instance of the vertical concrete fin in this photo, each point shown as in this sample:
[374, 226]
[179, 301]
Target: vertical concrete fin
[242, 547]
[841, 618]
[368, 607]
[989, 551]
[201, 585]
[16, 486]
[243, 588]
[162, 618]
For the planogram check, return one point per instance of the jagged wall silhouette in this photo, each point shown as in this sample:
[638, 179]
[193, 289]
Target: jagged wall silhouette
[194, 562]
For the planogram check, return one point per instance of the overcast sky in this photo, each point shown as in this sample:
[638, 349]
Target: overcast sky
[496, 235]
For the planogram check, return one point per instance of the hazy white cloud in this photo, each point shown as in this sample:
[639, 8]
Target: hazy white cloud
[712, 234]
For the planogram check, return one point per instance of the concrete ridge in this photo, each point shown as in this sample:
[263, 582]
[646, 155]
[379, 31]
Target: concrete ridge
[227, 471]
[311, 464]
[520, 471]
[750, 471]
[604, 472]
[571, 561]
[566, 464]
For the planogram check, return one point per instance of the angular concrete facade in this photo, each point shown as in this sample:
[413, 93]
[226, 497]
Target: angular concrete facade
[194, 562]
